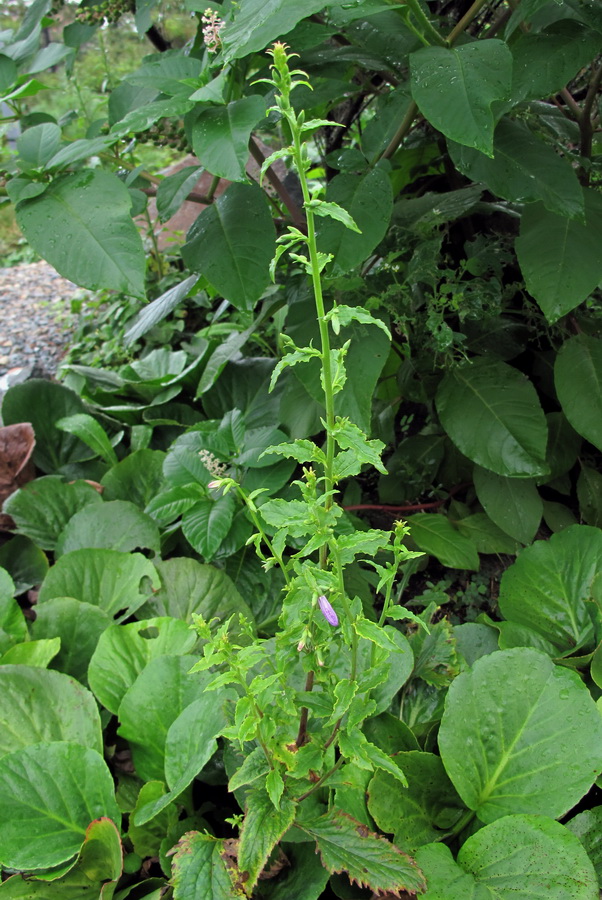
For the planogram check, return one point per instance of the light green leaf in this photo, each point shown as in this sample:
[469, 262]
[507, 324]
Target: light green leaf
[578, 380]
[523, 168]
[93, 240]
[253, 767]
[492, 414]
[350, 437]
[587, 826]
[161, 692]
[123, 651]
[368, 859]
[78, 625]
[116, 582]
[548, 588]
[333, 211]
[51, 792]
[513, 504]
[232, 243]
[527, 856]
[559, 257]
[38, 144]
[137, 478]
[262, 828]
[509, 726]
[114, 525]
[436, 535]
[203, 871]
[220, 136]
[368, 200]
[43, 507]
[32, 653]
[340, 316]
[455, 87]
[41, 705]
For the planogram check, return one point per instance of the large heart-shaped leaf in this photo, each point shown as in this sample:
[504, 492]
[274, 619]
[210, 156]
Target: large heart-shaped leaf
[43, 508]
[510, 724]
[559, 257]
[124, 650]
[517, 856]
[548, 588]
[41, 705]
[232, 244]
[115, 525]
[51, 792]
[492, 414]
[454, 88]
[92, 239]
[78, 625]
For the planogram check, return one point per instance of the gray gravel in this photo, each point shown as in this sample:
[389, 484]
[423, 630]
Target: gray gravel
[36, 319]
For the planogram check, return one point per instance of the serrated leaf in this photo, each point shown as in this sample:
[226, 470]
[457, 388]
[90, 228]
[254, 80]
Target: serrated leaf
[349, 437]
[202, 870]
[262, 828]
[340, 316]
[368, 859]
[333, 211]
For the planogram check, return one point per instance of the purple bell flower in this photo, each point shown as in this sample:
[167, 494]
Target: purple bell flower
[327, 611]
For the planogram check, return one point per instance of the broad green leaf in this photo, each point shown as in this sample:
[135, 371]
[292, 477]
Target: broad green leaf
[124, 650]
[78, 625]
[91, 433]
[207, 523]
[38, 653]
[559, 257]
[116, 582]
[161, 692]
[423, 811]
[137, 478]
[564, 445]
[171, 193]
[304, 879]
[474, 640]
[159, 309]
[455, 87]
[220, 136]
[587, 827]
[24, 561]
[147, 838]
[369, 201]
[368, 859]
[578, 381]
[191, 588]
[548, 588]
[523, 168]
[41, 705]
[545, 62]
[258, 22]
[436, 535]
[589, 494]
[38, 144]
[42, 403]
[486, 536]
[189, 745]
[51, 792]
[492, 414]
[43, 507]
[202, 870]
[114, 525]
[232, 243]
[517, 856]
[513, 504]
[13, 627]
[262, 828]
[93, 240]
[510, 724]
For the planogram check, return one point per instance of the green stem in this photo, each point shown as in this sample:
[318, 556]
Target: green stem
[324, 777]
[429, 31]
[153, 237]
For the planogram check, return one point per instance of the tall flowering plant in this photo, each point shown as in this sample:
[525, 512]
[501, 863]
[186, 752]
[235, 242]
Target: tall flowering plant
[301, 699]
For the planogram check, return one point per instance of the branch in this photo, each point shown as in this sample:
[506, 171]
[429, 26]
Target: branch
[295, 213]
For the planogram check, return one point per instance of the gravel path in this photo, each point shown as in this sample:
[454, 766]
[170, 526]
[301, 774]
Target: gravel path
[36, 319]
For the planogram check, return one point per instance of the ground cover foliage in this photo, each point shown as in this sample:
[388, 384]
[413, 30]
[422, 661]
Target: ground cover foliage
[229, 666]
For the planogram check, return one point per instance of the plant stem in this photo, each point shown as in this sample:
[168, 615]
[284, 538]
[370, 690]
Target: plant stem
[465, 21]
[324, 777]
[429, 30]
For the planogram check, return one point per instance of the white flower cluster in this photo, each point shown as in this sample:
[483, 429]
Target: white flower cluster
[212, 25]
[212, 463]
